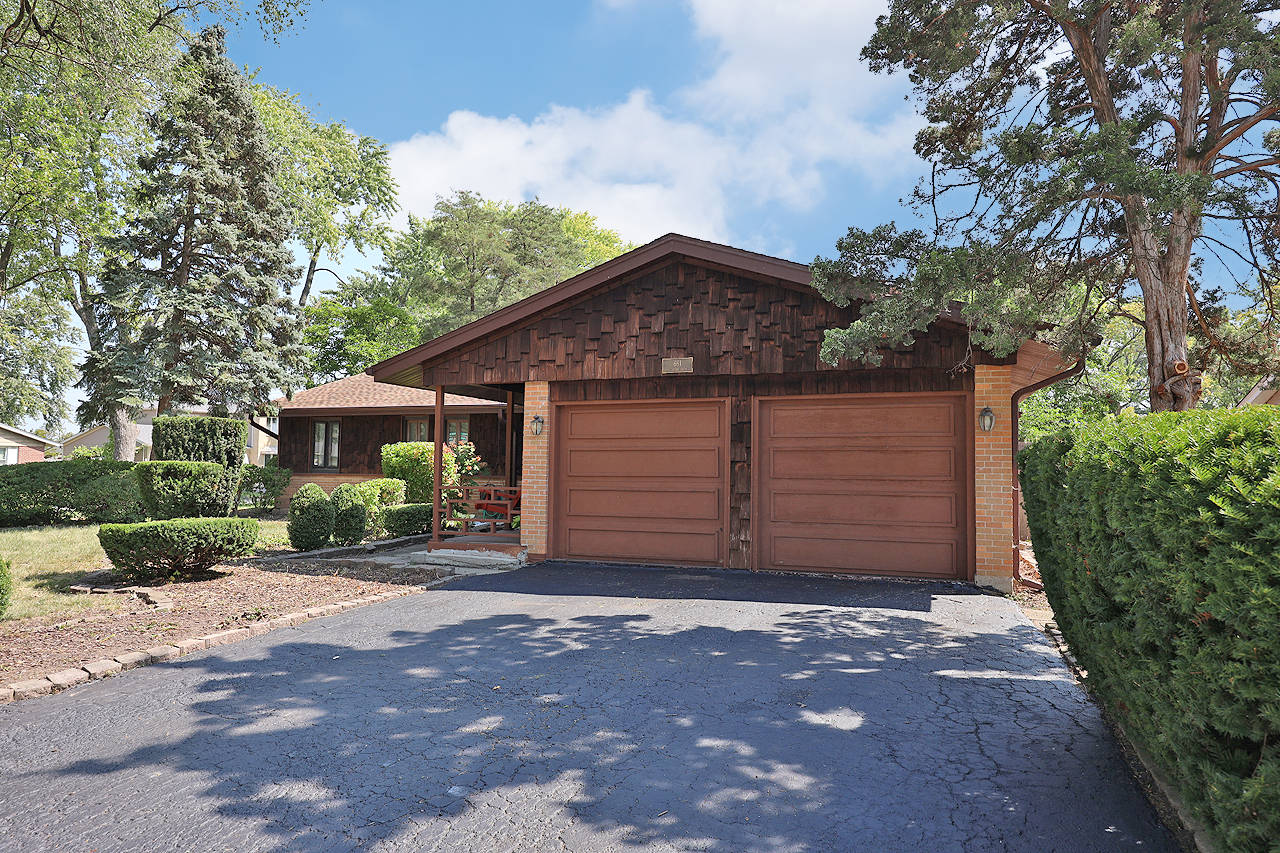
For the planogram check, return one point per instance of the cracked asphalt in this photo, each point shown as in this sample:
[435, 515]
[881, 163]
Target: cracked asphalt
[590, 708]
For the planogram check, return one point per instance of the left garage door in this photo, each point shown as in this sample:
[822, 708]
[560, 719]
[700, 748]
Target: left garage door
[642, 482]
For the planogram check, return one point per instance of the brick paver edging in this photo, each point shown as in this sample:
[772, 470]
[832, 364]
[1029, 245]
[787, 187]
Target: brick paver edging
[56, 681]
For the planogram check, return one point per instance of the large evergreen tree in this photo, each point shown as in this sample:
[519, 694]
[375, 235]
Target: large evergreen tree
[200, 278]
[1078, 150]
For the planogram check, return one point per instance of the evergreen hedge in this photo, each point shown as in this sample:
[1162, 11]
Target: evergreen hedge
[414, 462]
[6, 584]
[1158, 539]
[200, 439]
[184, 489]
[310, 518]
[407, 519]
[349, 515]
[167, 550]
[89, 490]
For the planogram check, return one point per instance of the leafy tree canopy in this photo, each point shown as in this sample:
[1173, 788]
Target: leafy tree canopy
[37, 368]
[342, 340]
[474, 256]
[1084, 154]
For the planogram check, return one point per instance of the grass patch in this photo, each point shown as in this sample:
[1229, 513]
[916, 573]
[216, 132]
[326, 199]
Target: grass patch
[48, 560]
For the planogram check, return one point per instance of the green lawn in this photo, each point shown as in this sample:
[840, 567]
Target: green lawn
[47, 560]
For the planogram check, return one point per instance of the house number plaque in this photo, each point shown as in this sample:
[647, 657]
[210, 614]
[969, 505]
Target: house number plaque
[677, 365]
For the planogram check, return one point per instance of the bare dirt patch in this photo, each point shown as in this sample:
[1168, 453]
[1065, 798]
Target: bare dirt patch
[233, 596]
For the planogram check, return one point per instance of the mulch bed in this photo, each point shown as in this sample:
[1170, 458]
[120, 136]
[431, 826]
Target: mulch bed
[233, 596]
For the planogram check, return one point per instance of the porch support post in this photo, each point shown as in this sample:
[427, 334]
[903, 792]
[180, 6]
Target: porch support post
[511, 439]
[437, 477]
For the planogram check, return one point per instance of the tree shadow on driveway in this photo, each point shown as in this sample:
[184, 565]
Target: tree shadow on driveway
[494, 715]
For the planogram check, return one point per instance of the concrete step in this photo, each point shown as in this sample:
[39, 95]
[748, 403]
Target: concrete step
[469, 561]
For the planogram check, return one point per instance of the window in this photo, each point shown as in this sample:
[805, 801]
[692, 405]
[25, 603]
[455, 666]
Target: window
[8, 456]
[324, 452]
[273, 424]
[417, 430]
[457, 430]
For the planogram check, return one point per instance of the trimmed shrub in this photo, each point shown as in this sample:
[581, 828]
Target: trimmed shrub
[166, 550]
[310, 518]
[349, 515]
[199, 439]
[263, 485]
[92, 490]
[377, 495]
[1157, 538]
[407, 519]
[413, 461]
[6, 584]
[183, 489]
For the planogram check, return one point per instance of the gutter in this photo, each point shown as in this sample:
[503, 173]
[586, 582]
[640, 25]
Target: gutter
[1018, 395]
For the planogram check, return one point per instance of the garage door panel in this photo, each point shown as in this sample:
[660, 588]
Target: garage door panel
[643, 546]
[684, 421]
[871, 420]
[872, 486]
[872, 556]
[600, 460]
[642, 481]
[915, 510]
[863, 463]
[637, 502]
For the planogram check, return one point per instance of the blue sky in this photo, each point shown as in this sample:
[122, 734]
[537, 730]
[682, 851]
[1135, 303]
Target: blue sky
[746, 122]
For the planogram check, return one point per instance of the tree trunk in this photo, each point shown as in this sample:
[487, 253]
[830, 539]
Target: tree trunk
[1173, 386]
[311, 274]
[124, 432]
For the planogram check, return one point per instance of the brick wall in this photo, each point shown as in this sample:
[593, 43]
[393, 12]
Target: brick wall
[534, 479]
[993, 484]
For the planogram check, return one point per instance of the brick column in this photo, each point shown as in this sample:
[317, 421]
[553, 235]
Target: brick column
[992, 475]
[535, 479]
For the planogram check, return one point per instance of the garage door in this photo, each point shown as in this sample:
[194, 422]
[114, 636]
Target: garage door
[872, 486]
[642, 482]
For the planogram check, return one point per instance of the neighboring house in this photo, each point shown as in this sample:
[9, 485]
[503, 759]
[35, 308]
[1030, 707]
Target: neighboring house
[101, 434]
[676, 412]
[1262, 394]
[334, 433]
[18, 446]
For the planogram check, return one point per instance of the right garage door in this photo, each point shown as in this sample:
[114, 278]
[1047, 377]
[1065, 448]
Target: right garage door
[863, 485]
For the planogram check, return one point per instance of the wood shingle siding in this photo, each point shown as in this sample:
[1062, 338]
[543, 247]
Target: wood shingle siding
[728, 323]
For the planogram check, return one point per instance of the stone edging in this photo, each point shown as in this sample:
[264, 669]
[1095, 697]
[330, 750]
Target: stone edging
[94, 670]
[1197, 831]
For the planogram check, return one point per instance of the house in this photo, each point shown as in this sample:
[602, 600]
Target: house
[676, 412]
[1262, 394]
[18, 446]
[334, 433]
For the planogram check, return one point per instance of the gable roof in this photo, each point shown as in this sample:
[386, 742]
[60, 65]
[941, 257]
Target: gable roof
[786, 273]
[362, 392]
[31, 435]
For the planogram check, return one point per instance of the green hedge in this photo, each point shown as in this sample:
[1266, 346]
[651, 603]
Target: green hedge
[166, 550]
[310, 518]
[377, 495]
[200, 439]
[84, 490]
[349, 515]
[184, 489]
[407, 519]
[6, 584]
[263, 485]
[413, 462]
[1158, 539]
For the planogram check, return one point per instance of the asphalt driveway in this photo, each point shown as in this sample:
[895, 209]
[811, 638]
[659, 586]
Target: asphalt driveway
[584, 709]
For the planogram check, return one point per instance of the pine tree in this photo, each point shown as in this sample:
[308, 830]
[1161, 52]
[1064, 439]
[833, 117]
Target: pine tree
[203, 265]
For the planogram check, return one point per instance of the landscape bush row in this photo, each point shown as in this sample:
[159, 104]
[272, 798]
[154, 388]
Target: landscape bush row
[1157, 539]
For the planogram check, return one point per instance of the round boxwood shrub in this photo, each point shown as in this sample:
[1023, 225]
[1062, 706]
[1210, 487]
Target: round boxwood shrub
[349, 514]
[310, 518]
[407, 519]
[184, 489]
[6, 585]
[166, 550]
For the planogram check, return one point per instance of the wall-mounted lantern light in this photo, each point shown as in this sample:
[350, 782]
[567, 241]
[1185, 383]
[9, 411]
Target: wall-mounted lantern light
[986, 419]
[535, 425]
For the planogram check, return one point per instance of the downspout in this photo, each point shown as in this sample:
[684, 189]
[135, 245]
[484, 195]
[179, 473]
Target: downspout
[1075, 370]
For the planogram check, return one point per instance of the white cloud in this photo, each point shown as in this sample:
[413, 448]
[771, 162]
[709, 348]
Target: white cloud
[788, 101]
